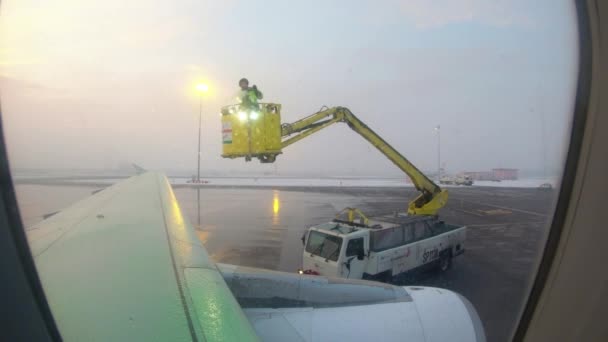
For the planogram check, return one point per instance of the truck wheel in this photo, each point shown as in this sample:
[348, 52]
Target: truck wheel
[445, 262]
[384, 277]
[387, 277]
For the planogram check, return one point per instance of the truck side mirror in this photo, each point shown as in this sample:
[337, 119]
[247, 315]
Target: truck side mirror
[303, 239]
[360, 255]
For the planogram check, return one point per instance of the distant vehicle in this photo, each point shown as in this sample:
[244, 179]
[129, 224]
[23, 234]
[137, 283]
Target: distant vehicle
[381, 248]
[195, 180]
[545, 186]
[446, 180]
[458, 180]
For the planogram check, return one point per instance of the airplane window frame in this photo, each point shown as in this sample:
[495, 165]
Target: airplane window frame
[27, 296]
[22, 289]
[577, 131]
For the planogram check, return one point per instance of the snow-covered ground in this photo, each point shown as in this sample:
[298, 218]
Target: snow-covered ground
[520, 183]
[320, 182]
[352, 182]
[314, 182]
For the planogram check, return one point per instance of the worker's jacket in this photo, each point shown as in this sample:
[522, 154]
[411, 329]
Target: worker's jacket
[250, 97]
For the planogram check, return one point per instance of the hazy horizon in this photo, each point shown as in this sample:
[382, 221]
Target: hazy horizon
[96, 86]
[246, 172]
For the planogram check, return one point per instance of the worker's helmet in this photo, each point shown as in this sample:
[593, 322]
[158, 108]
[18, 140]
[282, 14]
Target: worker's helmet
[244, 80]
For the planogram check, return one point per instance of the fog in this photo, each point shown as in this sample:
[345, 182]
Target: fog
[98, 85]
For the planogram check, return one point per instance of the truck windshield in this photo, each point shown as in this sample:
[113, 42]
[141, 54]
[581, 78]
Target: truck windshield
[324, 245]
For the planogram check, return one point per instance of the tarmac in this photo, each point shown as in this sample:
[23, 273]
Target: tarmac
[507, 227]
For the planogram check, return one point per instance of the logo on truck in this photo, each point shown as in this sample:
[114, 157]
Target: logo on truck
[430, 254]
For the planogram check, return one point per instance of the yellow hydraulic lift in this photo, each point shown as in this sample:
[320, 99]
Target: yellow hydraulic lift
[258, 133]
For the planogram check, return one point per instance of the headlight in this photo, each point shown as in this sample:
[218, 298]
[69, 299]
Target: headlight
[242, 116]
[254, 115]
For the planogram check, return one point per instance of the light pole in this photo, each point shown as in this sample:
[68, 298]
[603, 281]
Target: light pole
[438, 130]
[201, 88]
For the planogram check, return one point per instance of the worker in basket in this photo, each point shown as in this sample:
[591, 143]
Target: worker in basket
[249, 96]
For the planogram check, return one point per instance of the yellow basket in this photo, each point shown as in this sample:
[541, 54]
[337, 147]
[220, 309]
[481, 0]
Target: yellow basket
[251, 132]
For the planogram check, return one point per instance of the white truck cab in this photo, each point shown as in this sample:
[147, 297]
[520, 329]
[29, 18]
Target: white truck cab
[382, 248]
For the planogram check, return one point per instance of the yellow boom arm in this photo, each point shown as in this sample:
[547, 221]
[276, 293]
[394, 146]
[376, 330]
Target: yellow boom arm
[432, 197]
[265, 137]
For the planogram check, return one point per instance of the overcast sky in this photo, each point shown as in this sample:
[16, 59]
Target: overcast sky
[97, 85]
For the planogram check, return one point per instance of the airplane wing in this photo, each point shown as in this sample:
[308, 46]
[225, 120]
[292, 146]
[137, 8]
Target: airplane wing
[124, 264]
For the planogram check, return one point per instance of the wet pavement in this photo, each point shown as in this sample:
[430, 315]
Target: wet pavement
[259, 228]
[263, 227]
